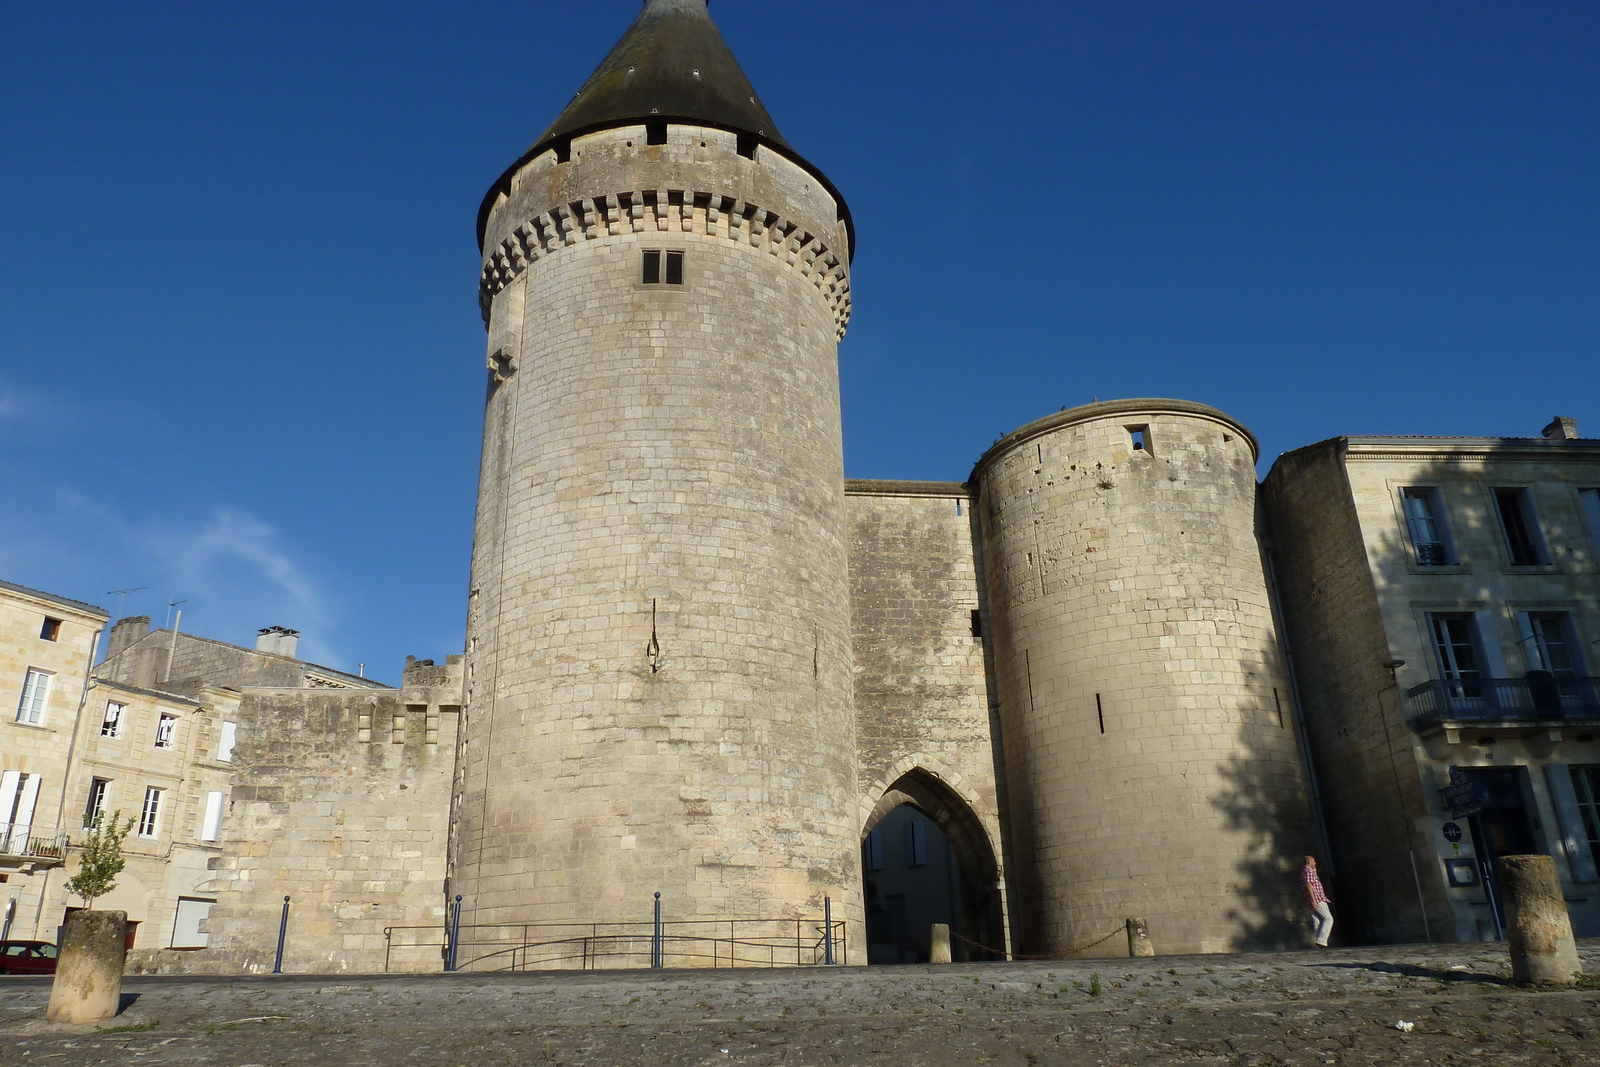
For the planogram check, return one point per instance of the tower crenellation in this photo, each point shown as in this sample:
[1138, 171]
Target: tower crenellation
[612, 182]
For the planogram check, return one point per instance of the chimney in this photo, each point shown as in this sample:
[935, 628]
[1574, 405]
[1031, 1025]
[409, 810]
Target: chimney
[127, 632]
[277, 641]
[1561, 428]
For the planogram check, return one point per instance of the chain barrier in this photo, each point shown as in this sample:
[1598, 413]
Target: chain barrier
[1056, 956]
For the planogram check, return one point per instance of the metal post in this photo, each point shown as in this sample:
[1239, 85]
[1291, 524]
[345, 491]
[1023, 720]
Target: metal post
[455, 935]
[655, 938]
[283, 929]
[827, 930]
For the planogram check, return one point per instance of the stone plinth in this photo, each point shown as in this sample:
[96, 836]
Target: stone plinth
[88, 981]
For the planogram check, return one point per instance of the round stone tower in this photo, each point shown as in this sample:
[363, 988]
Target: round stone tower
[1149, 735]
[659, 687]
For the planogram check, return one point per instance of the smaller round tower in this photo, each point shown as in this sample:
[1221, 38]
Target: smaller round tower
[1149, 734]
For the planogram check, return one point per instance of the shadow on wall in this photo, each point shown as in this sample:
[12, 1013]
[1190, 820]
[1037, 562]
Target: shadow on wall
[1267, 798]
[1399, 581]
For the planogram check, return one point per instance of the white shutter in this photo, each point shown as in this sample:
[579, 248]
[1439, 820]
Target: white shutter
[8, 799]
[213, 821]
[1532, 653]
[1494, 661]
[186, 925]
[23, 824]
[230, 733]
[1574, 837]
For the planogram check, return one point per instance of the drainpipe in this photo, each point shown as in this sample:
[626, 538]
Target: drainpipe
[66, 774]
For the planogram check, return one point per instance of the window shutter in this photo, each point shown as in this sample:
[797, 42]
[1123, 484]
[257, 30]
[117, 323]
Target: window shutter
[212, 826]
[1574, 838]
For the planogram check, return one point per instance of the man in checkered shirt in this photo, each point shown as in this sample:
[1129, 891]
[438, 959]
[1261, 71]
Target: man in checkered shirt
[1317, 897]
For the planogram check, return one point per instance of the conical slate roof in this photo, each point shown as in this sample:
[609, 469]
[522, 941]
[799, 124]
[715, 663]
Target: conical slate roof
[672, 63]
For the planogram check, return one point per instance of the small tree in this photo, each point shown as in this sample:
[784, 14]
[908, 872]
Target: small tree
[101, 860]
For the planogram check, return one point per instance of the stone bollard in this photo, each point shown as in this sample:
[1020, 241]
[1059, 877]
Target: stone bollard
[939, 951]
[1540, 932]
[1139, 938]
[88, 984]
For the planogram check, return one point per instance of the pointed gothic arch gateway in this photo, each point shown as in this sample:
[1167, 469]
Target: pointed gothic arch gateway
[979, 914]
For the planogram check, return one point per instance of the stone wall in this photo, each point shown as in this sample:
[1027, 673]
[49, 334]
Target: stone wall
[1354, 714]
[340, 801]
[1153, 765]
[659, 639]
[927, 732]
[143, 662]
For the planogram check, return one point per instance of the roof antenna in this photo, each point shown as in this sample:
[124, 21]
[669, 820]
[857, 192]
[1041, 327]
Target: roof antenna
[121, 595]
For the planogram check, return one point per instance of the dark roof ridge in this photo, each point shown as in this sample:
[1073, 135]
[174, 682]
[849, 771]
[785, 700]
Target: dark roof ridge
[53, 598]
[671, 65]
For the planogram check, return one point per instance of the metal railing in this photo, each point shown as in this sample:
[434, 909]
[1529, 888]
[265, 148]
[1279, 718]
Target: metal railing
[590, 946]
[18, 839]
[1536, 698]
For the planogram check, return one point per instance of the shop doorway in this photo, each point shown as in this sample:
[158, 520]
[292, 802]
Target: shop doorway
[1501, 827]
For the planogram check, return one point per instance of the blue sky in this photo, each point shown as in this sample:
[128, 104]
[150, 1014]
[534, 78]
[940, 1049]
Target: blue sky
[241, 361]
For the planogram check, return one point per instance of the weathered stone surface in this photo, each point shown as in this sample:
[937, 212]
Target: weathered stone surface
[1152, 762]
[659, 633]
[88, 981]
[1537, 926]
[1337, 1007]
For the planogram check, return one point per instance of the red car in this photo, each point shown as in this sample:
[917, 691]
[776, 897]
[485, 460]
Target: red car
[27, 957]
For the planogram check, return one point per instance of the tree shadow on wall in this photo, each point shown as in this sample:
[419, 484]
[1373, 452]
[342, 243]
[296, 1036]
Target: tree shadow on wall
[1267, 797]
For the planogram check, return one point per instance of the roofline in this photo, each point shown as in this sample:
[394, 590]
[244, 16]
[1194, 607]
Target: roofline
[1107, 409]
[888, 487]
[319, 668]
[66, 602]
[502, 184]
[96, 682]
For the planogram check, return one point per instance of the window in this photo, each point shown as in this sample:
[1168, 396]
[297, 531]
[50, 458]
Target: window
[18, 794]
[111, 725]
[1548, 642]
[35, 694]
[51, 630]
[1140, 436]
[916, 843]
[1520, 526]
[211, 826]
[230, 733]
[1590, 499]
[652, 267]
[1455, 641]
[165, 728]
[1424, 512]
[1586, 782]
[150, 814]
[97, 801]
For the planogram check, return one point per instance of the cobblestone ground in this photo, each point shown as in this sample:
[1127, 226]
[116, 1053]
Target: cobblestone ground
[1332, 1007]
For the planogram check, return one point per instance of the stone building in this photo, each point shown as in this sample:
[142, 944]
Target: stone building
[1442, 597]
[701, 664]
[703, 669]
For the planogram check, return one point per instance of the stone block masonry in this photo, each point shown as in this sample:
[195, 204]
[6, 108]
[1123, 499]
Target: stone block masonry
[659, 689]
[1148, 732]
[340, 801]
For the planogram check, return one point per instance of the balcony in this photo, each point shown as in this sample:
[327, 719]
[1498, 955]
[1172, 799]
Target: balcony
[21, 846]
[1540, 701]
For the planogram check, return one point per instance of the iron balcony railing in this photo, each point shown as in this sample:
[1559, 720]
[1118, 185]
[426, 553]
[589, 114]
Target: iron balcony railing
[1540, 697]
[20, 839]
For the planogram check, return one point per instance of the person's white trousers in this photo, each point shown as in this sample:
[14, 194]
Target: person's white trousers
[1324, 917]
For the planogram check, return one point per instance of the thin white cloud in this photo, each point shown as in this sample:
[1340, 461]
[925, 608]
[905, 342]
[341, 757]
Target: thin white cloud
[236, 564]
